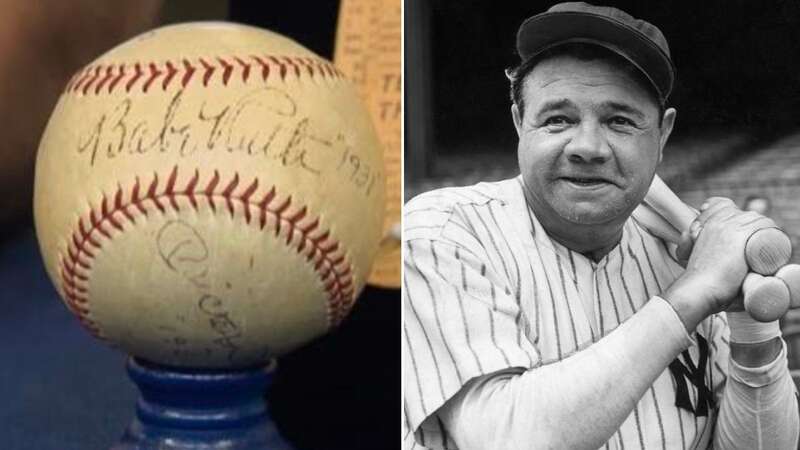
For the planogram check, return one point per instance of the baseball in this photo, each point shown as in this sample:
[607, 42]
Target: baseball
[209, 195]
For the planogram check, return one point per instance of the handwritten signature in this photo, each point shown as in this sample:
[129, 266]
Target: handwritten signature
[184, 251]
[228, 332]
[263, 122]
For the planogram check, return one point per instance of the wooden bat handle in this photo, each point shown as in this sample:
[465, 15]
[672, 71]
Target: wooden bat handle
[668, 205]
[790, 274]
[766, 251]
[766, 299]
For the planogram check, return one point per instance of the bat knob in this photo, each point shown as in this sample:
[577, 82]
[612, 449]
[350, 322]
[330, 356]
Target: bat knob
[766, 299]
[790, 274]
[767, 250]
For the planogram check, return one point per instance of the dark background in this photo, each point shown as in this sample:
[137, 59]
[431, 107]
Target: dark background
[737, 65]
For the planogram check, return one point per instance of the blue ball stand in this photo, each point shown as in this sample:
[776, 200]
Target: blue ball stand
[193, 409]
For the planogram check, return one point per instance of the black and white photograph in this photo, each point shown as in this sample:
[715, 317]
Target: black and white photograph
[600, 225]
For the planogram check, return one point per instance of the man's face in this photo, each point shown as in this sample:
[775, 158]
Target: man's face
[589, 140]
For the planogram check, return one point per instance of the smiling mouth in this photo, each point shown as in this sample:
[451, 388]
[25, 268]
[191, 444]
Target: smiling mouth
[586, 182]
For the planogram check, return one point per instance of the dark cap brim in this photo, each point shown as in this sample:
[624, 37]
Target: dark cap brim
[547, 30]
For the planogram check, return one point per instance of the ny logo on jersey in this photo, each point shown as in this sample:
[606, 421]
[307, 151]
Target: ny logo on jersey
[695, 375]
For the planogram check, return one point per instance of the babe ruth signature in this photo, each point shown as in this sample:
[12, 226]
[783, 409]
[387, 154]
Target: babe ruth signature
[264, 123]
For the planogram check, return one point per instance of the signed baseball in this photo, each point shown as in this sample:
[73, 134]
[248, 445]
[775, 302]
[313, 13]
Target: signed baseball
[209, 195]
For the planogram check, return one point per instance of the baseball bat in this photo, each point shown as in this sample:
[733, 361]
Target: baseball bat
[765, 298]
[767, 250]
[790, 274]
[768, 297]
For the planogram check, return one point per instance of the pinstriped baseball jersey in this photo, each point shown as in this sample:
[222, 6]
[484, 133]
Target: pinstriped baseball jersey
[485, 289]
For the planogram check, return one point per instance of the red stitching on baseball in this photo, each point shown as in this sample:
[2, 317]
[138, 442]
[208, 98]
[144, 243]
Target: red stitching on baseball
[264, 67]
[281, 66]
[104, 80]
[209, 71]
[155, 72]
[95, 75]
[189, 68]
[136, 75]
[245, 68]
[171, 71]
[227, 68]
[294, 63]
[116, 80]
[314, 244]
[73, 80]
[82, 78]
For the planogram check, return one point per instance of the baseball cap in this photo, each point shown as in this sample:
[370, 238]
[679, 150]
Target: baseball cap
[638, 41]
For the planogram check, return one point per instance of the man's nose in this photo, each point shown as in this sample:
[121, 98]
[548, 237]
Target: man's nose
[587, 145]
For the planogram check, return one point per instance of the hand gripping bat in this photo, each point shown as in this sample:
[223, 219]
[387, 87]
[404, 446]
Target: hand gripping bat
[767, 252]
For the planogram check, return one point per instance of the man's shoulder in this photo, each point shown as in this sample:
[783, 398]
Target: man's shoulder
[427, 214]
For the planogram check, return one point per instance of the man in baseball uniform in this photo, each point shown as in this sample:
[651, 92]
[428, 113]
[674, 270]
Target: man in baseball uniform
[538, 314]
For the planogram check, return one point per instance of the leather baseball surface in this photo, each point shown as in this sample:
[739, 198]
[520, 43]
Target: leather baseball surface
[209, 195]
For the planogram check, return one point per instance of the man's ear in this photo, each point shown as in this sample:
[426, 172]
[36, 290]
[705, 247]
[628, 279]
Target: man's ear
[517, 119]
[666, 129]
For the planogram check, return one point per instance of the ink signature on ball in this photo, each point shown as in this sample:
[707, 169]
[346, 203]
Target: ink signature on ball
[265, 122]
[185, 252]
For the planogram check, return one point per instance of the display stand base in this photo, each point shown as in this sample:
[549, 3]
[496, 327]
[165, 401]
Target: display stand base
[181, 408]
